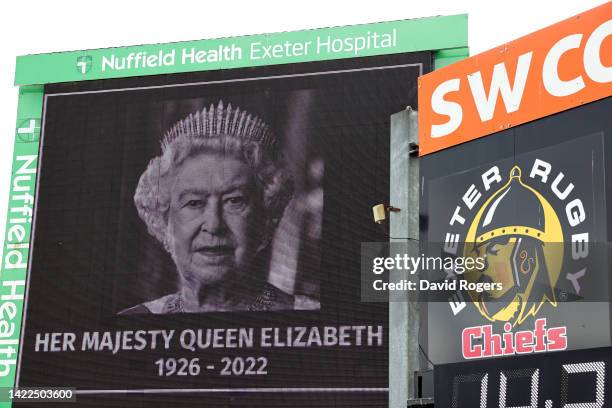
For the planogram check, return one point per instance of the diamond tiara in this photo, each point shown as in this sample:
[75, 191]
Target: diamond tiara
[217, 121]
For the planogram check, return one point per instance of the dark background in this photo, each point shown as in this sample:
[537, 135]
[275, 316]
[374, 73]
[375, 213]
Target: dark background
[91, 251]
[570, 135]
[579, 387]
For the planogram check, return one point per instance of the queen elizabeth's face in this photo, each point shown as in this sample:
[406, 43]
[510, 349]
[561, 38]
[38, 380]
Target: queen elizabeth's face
[213, 222]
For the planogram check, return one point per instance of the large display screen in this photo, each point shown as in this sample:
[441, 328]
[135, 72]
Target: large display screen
[197, 236]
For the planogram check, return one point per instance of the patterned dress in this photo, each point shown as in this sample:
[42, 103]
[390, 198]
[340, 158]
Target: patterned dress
[269, 298]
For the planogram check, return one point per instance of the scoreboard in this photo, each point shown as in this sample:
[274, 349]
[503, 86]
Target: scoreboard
[518, 171]
[577, 379]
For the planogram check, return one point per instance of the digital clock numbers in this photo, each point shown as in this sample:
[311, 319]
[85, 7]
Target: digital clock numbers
[572, 379]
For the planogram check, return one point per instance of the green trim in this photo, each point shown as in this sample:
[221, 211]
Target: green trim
[18, 228]
[432, 33]
[446, 57]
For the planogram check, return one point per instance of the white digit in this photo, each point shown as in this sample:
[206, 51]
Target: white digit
[483, 391]
[503, 384]
[470, 378]
[170, 367]
[238, 366]
[160, 367]
[226, 369]
[262, 369]
[598, 367]
[194, 366]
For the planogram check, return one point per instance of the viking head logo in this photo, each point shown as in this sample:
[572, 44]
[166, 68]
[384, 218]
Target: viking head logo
[519, 235]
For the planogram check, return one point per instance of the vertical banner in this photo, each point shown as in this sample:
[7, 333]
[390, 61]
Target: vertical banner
[13, 274]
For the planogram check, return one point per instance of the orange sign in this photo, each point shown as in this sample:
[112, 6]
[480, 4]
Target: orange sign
[549, 71]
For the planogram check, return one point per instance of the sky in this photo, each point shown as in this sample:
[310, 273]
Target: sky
[30, 27]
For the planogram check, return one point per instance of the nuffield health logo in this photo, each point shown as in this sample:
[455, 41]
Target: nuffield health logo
[28, 130]
[83, 64]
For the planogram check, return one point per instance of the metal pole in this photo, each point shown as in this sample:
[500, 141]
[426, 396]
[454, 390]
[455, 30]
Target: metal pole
[403, 309]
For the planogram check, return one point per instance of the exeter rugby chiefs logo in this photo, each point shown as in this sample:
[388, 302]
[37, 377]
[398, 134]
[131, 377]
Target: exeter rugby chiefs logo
[517, 244]
[518, 228]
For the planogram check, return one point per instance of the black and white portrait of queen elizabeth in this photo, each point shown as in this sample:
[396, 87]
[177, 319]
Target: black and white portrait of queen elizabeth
[214, 199]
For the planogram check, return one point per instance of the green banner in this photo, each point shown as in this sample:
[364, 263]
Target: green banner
[13, 272]
[434, 33]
